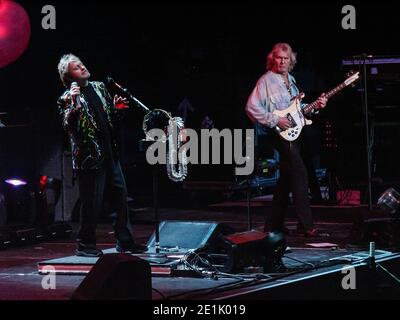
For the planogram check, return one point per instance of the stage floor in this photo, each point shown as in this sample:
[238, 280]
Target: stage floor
[311, 268]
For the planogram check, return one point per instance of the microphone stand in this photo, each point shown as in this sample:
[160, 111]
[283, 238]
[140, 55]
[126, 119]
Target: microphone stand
[367, 132]
[154, 171]
[363, 60]
[129, 96]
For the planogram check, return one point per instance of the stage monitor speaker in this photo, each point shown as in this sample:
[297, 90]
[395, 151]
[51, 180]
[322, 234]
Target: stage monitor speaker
[116, 276]
[184, 236]
[254, 249]
[245, 249]
[58, 230]
[385, 232]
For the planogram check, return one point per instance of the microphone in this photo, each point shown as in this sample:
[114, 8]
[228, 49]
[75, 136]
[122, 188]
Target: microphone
[75, 99]
[74, 84]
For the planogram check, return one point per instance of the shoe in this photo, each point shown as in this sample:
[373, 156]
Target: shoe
[312, 233]
[131, 247]
[86, 250]
[283, 230]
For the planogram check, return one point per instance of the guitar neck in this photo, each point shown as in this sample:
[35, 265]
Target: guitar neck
[310, 107]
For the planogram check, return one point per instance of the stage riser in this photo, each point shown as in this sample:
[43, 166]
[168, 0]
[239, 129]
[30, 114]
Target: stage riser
[43, 269]
[328, 286]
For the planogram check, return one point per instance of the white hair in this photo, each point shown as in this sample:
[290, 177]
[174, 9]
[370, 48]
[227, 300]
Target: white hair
[62, 67]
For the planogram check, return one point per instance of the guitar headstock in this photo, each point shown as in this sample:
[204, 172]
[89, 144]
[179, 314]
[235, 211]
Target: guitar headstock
[352, 76]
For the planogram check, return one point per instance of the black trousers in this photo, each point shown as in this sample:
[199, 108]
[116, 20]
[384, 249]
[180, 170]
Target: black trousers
[92, 184]
[293, 177]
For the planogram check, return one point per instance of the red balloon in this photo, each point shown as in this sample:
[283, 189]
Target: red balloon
[15, 31]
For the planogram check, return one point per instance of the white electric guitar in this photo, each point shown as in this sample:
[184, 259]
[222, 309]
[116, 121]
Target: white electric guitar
[297, 116]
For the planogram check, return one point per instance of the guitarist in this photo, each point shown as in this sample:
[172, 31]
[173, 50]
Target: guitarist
[274, 91]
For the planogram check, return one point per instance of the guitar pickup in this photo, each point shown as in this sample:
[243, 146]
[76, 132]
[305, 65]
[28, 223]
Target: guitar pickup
[291, 120]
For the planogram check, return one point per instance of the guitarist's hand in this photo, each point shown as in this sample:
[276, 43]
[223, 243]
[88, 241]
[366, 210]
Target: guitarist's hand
[284, 123]
[322, 101]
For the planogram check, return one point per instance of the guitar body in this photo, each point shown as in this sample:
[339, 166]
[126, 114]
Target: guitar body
[296, 117]
[295, 114]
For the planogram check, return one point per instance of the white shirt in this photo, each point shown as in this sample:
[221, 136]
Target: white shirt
[269, 94]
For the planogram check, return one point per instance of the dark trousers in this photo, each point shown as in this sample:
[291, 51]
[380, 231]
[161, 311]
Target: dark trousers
[293, 177]
[92, 184]
[310, 149]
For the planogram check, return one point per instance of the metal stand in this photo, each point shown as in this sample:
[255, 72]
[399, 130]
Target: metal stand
[62, 184]
[155, 204]
[374, 266]
[249, 218]
[367, 130]
[254, 180]
[246, 185]
[144, 144]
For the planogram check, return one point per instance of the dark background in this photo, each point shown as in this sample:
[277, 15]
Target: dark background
[213, 54]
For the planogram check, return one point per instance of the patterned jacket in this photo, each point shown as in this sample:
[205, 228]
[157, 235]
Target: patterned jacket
[83, 130]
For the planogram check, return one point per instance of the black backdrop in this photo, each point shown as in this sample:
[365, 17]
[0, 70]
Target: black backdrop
[212, 53]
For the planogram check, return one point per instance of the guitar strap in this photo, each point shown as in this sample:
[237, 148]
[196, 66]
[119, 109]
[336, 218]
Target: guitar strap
[299, 89]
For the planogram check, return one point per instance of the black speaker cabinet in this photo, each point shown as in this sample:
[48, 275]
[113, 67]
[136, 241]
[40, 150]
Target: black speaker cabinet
[245, 249]
[116, 276]
[182, 236]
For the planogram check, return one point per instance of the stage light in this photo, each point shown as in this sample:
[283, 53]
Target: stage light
[275, 248]
[16, 182]
[15, 31]
[389, 201]
[18, 201]
[384, 231]
[47, 194]
[27, 211]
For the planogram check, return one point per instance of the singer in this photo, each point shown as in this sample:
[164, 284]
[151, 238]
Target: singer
[88, 116]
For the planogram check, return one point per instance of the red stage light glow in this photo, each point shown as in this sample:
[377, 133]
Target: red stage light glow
[15, 31]
[43, 182]
[3, 31]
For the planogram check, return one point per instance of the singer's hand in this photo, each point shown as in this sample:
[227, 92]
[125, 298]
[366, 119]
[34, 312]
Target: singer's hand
[120, 103]
[74, 91]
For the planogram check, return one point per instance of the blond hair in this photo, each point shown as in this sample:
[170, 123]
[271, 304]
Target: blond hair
[285, 48]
